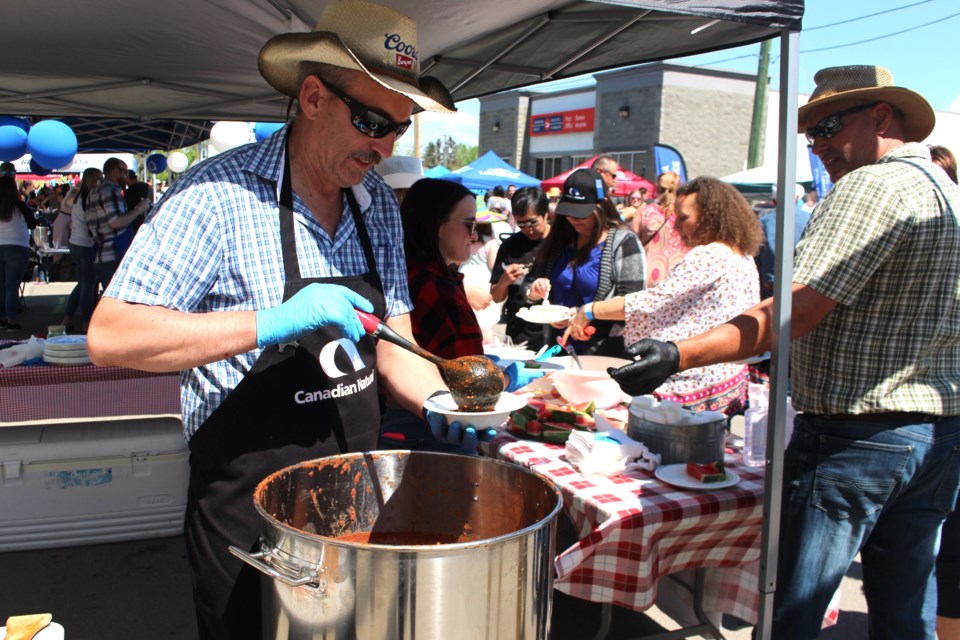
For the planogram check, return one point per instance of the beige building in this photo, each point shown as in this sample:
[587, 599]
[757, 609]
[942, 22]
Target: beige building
[705, 114]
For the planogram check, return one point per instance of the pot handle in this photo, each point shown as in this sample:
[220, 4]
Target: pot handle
[255, 560]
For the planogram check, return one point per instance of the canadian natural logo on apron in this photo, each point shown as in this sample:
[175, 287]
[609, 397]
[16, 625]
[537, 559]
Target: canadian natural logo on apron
[329, 353]
[327, 359]
[339, 391]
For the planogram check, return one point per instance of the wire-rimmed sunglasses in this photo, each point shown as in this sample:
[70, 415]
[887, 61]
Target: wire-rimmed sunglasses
[529, 223]
[831, 125]
[367, 120]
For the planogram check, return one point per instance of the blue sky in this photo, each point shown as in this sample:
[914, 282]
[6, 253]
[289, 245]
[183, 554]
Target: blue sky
[912, 38]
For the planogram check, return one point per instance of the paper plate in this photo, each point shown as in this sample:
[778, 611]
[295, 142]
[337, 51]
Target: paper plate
[676, 475]
[545, 313]
[445, 405]
[65, 360]
[66, 340]
[65, 349]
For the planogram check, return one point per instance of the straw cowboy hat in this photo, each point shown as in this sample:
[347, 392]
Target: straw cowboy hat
[359, 35]
[400, 172]
[869, 84]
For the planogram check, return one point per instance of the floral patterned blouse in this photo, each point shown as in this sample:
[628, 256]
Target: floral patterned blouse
[711, 285]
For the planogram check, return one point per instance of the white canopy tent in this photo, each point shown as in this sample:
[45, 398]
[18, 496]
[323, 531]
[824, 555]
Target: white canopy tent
[136, 76]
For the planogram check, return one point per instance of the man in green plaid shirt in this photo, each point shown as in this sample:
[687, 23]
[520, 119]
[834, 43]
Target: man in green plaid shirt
[873, 466]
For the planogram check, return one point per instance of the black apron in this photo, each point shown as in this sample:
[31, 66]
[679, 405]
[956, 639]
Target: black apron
[273, 419]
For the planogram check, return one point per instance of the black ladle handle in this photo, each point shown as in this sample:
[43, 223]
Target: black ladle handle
[375, 327]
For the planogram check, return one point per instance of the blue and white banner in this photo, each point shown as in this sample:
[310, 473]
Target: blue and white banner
[821, 180]
[669, 159]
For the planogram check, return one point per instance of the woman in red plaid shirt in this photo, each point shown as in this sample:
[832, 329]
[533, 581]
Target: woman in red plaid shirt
[439, 221]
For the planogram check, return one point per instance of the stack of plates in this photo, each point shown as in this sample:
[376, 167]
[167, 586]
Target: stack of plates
[66, 350]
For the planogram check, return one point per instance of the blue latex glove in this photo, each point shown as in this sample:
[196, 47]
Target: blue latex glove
[520, 375]
[465, 436]
[314, 306]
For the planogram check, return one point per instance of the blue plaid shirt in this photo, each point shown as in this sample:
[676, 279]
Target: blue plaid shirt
[213, 244]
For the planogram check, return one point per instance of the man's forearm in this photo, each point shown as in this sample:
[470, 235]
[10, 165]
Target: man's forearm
[153, 338]
[408, 378]
[750, 333]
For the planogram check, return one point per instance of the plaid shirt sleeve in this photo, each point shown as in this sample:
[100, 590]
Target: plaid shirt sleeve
[443, 322]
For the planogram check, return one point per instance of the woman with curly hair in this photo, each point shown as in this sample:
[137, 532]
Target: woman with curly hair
[589, 255]
[656, 225]
[716, 281]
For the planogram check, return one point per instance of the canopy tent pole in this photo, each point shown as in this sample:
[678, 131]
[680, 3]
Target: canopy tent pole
[780, 343]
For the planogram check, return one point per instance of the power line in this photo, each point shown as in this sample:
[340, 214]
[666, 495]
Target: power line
[869, 15]
[889, 35]
[846, 44]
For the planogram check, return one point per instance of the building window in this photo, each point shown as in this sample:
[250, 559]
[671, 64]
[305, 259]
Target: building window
[548, 167]
[631, 160]
[579, 160]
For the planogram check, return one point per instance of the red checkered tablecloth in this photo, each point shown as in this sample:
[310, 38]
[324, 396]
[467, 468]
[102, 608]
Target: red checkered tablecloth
[50, 392]
[635, 529]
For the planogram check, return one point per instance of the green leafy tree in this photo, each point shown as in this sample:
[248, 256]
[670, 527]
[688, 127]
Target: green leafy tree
[449, 153]
[465, 155]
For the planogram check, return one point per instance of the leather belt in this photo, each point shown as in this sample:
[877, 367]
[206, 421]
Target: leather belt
[898, 418]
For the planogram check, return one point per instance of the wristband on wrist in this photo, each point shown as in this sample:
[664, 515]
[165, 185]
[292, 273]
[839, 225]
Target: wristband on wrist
[588, 311]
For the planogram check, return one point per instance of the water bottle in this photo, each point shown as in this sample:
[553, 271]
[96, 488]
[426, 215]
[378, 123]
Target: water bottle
[755, 438]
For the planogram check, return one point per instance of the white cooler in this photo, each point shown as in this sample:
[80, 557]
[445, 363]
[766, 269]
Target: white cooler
[89, 482]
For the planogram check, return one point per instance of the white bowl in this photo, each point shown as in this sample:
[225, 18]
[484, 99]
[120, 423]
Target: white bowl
[445, 405]
[580, 386]
[590, 363]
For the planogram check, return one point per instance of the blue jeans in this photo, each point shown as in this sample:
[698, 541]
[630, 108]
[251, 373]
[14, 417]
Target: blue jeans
[13, 264]
[105, 271]
[85, 293]
[873, 488]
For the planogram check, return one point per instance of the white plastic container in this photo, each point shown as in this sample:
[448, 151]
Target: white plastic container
[83, 483]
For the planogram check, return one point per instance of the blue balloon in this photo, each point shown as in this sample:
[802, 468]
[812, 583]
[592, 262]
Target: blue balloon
[15, 122]
[13, 142]
[263, 130]
[52, 143]
[156, 163]
[35, 168]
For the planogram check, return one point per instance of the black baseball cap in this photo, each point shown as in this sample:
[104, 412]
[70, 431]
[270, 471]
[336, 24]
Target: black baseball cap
[582, 190]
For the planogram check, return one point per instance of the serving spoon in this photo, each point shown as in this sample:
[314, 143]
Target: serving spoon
[475, 382]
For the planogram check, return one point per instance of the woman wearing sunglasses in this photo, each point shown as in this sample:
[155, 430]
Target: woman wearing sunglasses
[439, 222]
[589, 255]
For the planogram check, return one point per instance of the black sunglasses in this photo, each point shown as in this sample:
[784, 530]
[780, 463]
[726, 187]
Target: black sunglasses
[831, 125]
[367, 120]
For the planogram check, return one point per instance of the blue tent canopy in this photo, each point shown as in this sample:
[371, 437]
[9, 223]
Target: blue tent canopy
[489, 171]
[436, 172]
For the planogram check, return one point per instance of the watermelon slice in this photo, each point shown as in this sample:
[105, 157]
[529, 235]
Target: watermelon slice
[710, 472]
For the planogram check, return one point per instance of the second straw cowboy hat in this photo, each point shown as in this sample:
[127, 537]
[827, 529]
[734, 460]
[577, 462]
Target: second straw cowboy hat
[359, 35]
[868, 83]
[400, 172]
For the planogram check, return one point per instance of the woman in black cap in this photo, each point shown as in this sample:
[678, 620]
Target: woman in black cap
[589, 255]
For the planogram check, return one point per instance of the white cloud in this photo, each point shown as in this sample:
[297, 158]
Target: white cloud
[955, 105]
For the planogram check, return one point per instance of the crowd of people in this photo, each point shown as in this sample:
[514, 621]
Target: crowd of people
[96, 219]
[247, 275]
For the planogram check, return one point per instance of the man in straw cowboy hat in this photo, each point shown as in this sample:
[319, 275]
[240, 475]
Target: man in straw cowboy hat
[872, 466]
[247, 276]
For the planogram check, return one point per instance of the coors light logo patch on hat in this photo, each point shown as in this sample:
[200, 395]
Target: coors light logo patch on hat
[400, 53]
